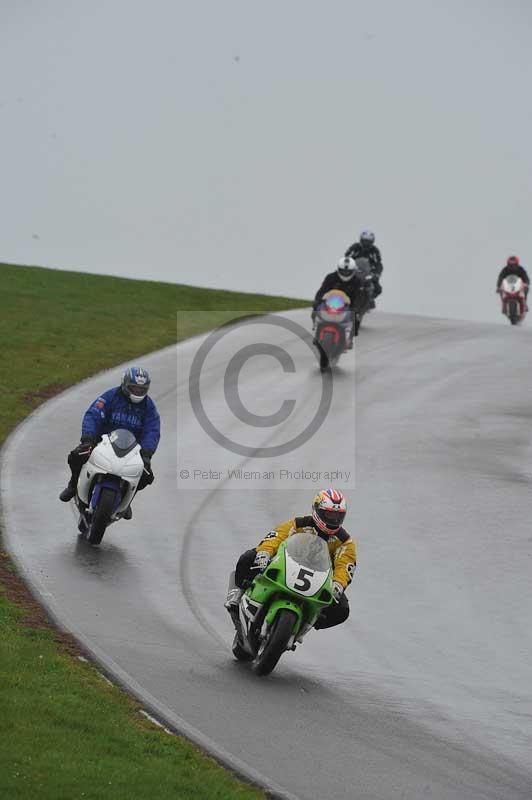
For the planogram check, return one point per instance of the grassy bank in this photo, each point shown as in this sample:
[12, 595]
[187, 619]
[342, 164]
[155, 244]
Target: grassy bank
[64, 732]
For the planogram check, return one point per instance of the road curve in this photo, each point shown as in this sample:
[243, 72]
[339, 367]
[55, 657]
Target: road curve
[425, 692]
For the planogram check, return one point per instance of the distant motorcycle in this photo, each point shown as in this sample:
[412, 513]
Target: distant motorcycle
[513, 297]
[334, 324]
[107, 483]
[364, 301]
[282, 604]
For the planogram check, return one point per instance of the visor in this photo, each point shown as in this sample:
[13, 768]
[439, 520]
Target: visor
[333, 519]
[138, 391]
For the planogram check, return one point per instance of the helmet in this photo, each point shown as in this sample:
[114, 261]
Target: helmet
[135, 384]
[512, 261]
[367, 239]
[329, 510]
[346, 268]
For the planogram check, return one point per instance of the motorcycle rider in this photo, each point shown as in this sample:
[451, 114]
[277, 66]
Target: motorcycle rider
[513, 267]
[126, 406]
[366, 248]
[346, 278]
[326, 521]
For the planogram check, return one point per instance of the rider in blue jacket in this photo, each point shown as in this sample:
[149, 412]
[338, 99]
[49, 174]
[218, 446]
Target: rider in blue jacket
[126, 406]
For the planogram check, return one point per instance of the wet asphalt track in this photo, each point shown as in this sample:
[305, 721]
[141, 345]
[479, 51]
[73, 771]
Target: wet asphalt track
[426, 691]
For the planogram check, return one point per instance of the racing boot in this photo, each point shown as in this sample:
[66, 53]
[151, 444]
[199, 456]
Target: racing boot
[234, 593]
[128, 513]
[68, 492]
[233, 599]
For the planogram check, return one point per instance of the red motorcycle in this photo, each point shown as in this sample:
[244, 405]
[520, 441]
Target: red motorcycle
[333, 334]
[513, 297]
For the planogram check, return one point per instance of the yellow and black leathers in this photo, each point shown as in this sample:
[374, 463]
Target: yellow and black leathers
[342, 548]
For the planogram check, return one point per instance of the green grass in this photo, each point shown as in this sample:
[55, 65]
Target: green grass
[60, 327]
[64, 733]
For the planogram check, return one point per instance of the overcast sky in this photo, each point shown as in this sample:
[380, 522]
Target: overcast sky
[244, 145]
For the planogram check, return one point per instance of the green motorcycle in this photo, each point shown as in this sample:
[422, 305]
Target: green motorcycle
[282, 604]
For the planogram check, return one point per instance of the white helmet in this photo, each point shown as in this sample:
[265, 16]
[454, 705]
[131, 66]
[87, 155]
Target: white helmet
[346, 268]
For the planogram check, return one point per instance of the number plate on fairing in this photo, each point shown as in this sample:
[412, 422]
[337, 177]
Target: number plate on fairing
[303, 580]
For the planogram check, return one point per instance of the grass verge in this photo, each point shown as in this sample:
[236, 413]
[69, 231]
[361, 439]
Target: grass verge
[64, 732]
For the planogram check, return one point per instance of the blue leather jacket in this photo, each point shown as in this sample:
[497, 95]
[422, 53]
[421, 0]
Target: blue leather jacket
[113, 410]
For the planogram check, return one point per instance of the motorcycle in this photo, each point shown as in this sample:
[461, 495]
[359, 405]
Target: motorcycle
[107, 483]
[364, 301]
[282, 604]
[334, 324]
[513, 298]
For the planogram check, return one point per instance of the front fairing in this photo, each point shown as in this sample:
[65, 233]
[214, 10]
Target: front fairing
[512, 286]
[293, 580]
[337, 317]
[292, 575]
[105, 460]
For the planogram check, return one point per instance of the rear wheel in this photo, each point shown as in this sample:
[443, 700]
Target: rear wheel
[101, 516]
[271, 651]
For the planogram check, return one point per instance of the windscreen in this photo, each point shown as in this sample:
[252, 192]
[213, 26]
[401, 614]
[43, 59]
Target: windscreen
[335, 300]
[123, 441]
[309, 551]
[335, 306]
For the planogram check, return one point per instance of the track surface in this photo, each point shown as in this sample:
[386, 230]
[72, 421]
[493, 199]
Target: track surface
[425, 692]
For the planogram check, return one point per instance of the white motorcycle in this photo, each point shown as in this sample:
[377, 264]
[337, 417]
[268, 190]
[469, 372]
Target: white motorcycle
[107, 483]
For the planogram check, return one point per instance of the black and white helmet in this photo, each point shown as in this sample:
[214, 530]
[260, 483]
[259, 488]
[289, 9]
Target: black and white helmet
[346, 268]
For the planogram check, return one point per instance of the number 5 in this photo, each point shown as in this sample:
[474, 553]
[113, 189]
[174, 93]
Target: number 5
[303, 576]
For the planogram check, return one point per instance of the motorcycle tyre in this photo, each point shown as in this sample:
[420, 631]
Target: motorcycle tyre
[324, 362]
[280, 633]
[101, 516]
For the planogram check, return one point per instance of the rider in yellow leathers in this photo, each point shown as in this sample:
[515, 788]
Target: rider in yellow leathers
[328, 513]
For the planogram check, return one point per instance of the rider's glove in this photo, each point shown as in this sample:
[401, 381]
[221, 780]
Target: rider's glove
[146, 457]
[148, 472]
[337, 590]
[87, 438]
[262, 559]
[87, 444]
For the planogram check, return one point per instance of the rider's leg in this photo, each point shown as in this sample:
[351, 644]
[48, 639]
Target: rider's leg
[334, 614]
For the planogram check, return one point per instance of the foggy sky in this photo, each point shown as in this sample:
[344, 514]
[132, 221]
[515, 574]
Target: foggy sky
[244, 145]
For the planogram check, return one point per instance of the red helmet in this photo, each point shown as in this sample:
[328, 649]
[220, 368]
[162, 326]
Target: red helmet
[512, 261]
[329, 510]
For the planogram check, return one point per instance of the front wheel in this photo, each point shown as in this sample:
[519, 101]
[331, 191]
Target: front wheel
[101, 516]
[272, 649]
